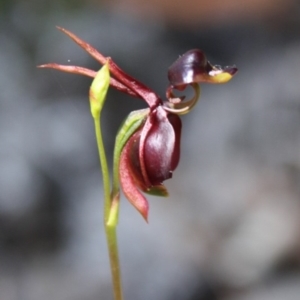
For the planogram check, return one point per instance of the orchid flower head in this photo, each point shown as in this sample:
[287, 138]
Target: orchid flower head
[147, 148]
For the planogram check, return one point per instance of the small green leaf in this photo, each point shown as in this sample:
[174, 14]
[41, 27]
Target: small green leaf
[132, 123]
[158, 190]
[98, 91]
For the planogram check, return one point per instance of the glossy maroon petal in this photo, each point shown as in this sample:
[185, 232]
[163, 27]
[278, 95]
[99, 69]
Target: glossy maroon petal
[193, 67]
[131, 178]
[187, 66]
[161, 149]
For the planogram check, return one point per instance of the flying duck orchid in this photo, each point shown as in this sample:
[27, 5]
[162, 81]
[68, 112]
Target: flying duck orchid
[147, 147]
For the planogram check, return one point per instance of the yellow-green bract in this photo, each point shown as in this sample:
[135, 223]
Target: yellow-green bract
[98, 91]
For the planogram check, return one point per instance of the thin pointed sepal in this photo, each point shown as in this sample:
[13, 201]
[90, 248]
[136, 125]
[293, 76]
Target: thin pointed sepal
[129, 184]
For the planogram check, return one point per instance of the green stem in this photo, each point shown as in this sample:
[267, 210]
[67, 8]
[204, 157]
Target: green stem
[109, 204]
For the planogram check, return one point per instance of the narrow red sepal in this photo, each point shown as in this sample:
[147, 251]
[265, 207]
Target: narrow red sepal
[128, 181]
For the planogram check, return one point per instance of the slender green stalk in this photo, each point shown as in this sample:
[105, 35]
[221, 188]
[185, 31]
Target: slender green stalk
[97, 96]
[110, 229]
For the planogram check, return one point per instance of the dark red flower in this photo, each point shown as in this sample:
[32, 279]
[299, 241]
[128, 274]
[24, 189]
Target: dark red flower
[149, 157]
[150, 142]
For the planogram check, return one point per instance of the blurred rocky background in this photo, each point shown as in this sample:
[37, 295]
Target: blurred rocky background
[231, 227]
